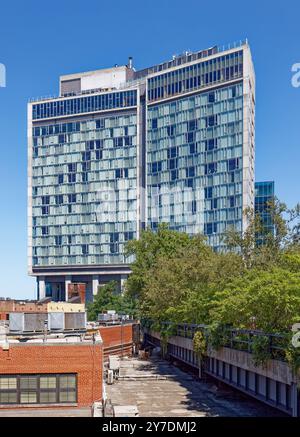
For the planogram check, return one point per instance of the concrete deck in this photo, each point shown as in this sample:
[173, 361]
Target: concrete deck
[160, 389]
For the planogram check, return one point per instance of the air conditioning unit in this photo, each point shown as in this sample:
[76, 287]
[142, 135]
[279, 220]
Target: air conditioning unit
[110, 377]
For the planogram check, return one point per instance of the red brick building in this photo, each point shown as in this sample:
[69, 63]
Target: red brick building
[118, 339]
[61, 372]
[8, 306]
[17, 306]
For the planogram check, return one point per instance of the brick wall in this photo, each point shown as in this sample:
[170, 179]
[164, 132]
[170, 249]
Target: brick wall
[11, 306]
[114, 336]
[84, 359]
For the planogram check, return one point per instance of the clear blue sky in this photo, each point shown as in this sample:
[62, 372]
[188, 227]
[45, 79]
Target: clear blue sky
[41, 40]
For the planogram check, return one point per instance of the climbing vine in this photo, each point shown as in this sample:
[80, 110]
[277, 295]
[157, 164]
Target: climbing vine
[218, 335]
[292, 355]
[199, 344]
[261, 351]
[166, 331]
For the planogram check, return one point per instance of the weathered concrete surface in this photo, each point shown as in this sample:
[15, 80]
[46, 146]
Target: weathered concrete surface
[274, 369]
[179, 394]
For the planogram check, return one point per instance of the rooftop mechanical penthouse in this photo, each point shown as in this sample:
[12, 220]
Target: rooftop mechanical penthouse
[120, 150]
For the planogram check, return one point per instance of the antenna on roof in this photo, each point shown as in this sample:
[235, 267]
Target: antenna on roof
[130, 62]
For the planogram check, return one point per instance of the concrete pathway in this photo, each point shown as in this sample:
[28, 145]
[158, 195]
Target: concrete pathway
[160, 389]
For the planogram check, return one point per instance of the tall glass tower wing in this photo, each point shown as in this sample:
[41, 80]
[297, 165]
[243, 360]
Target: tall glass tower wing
[195, 162]
[200, 146]
[264, 193]
[83, 181]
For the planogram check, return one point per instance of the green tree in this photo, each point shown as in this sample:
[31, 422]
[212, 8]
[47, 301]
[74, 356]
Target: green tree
[178, 278]
[180, 285]
[286, 235]
[270, 299]
[245, 243]
[290, 259]
[109, 298]
[147, 250]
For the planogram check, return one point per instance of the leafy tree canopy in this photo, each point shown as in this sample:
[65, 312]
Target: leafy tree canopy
[179, 278]
[110, 298]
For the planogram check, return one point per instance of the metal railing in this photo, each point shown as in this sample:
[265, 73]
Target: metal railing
[238, 339]
[184, 58]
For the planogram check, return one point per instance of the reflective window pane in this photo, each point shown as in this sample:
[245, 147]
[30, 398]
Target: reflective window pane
[47, 397]
[28, 382]
[8, 397]
[8, 383]
[67, 396]
[28, 397]
[48, 382]
[67, 381]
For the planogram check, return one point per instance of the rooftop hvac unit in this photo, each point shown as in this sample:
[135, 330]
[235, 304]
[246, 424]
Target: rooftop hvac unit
[56, 321]
[75, 320]
[126, 411]
[114, 362]
[31, 322]
[110, 377]
[35, 322]
[16, 322]
[108, 317]
[97, 409]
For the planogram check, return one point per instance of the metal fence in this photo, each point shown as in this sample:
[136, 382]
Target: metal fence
[239, 339]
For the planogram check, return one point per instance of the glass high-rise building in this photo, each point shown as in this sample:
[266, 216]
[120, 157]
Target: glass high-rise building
[264, 194]
[120, 150]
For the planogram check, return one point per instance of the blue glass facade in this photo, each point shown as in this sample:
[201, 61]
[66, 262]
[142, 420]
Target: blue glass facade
[196, 76]
[173, 143]
[195, 162]
[75, 168]
[264, 193]
[80, 105]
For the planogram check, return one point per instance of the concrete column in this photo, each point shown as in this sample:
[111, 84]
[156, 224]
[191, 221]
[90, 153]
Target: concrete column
[95, 284]
[122, 282]
[68, 280]
[42, 287]
[294, 400]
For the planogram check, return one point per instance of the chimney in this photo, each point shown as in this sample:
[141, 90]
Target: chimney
[130, 62]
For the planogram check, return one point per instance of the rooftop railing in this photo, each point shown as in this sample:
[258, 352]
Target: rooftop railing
[238, 339]
[181, 59]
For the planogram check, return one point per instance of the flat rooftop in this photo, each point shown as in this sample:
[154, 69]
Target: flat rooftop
[21, 339]
[122, 76]
[160, 389]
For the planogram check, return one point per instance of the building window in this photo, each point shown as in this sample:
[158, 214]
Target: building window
[121, 173]
[85, 249]
[67, 388]
[38, 389]
[48, 389]
[8, 387]
[28, 389]
[211, 97]
[233, 164]
[210, 168]
[45, 230]
[59, 199]
[210, 228]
